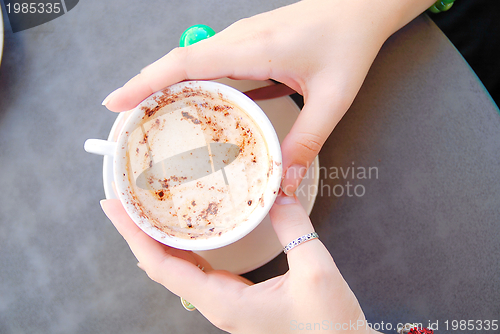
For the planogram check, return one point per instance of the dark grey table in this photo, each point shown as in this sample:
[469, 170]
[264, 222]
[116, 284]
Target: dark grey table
[421, 244]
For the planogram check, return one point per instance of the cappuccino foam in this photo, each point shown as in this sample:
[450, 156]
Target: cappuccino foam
[179, 180]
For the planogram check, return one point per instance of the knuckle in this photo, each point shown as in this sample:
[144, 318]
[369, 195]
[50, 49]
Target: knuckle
[179, 54]
[223, 323]
[153, 275]
[310, 142]
[319, 276]
[261, 40]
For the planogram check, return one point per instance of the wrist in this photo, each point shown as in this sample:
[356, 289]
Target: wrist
[384, 17]
[405, 11]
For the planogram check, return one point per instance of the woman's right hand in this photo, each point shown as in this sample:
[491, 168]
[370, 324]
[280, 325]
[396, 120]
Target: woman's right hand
[320, 48]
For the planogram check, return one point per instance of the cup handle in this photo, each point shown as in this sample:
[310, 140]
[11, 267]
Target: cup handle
[99, 146]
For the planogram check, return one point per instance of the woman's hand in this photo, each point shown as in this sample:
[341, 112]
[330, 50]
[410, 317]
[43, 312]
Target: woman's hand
[320, 48]
[312, 292]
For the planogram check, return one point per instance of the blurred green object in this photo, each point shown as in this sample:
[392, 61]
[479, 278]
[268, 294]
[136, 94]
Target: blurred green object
[441, 6]
[195, 34]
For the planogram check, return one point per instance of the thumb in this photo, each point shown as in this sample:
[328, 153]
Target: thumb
[322, 110]
[290, 221]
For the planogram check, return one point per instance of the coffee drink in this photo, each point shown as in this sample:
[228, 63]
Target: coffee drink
[198, 165]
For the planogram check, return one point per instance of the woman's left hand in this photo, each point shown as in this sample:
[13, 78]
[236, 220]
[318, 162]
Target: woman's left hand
[312, 292]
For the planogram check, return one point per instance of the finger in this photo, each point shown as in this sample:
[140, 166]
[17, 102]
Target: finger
[217, 57]
[290, 221]
[173, 268]
[322, 111]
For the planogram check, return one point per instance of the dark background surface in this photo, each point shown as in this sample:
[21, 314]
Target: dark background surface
[473, 26]
[429, 251]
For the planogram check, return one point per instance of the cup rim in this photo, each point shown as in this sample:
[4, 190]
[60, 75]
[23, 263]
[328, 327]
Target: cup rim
[259, 118]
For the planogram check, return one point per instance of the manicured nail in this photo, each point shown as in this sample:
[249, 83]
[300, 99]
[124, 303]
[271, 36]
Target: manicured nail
[110, 96]
[103, 205]
[294, 174]
[283, 199]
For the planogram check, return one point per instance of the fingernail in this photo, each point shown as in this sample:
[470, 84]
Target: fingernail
[140, 266]
[283, 199]
[103, 205]
[294, 174]
[110, 96]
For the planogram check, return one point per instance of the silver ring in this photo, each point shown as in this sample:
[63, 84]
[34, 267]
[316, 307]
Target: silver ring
[300, 240]
[187, 305]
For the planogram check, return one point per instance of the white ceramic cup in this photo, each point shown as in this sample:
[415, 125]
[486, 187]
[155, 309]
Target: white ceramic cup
[118, 150]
